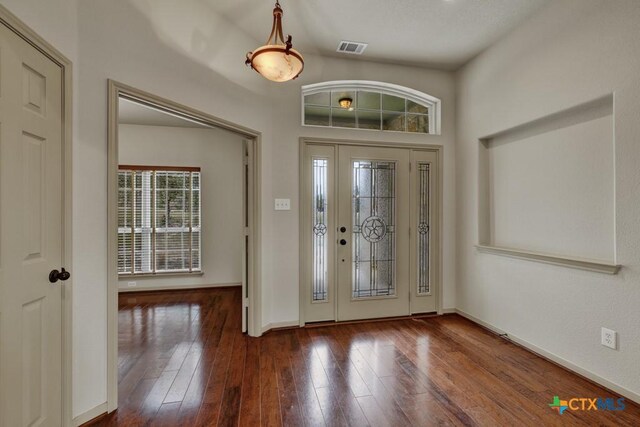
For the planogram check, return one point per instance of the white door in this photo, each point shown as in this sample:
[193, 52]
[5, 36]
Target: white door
[373, 249]
[31, 235]
[370, 232]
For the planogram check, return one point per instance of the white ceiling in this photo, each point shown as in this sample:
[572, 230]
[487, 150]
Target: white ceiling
[132, 113]
[435, 33]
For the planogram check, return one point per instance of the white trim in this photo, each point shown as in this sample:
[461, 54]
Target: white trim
[175, 287]
[434, 104]
[448, 311]
[34, 39]
[90, 414]
[579, 263]
[276, 325]
[635, 397]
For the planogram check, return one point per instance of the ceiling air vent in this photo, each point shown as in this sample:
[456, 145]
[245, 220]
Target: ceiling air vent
[352, 48]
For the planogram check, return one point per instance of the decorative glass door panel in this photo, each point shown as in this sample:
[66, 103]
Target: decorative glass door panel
[423, 228]
[424, 232]
[373, 252]
[373, 209]
[320, 243]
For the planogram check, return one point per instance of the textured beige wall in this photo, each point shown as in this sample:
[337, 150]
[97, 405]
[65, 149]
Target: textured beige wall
[571, 52]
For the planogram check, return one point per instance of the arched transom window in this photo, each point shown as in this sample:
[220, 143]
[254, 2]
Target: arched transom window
[370, 105]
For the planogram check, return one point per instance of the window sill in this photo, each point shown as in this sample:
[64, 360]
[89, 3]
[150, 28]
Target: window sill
[581, 264]
[158, 275]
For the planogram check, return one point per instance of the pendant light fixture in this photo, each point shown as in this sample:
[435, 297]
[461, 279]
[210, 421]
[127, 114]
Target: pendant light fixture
[346, 103]
[277, 60]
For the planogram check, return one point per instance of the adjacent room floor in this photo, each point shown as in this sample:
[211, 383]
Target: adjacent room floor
[184, 362]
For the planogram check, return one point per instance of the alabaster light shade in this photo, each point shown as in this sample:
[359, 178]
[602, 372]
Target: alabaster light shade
[277, 60]
[274, 63]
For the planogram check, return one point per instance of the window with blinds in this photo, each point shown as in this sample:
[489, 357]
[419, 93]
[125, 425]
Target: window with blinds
[159, 229]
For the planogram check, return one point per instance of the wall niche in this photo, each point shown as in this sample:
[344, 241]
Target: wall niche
[546, 189]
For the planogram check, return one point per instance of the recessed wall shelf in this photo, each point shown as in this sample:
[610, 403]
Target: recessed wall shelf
[546, 189]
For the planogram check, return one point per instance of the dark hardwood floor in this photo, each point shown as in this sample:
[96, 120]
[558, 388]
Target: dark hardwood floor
[184, 362]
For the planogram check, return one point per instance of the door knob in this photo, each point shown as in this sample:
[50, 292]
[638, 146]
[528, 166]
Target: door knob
[56, 275]
[343, 229]
[343, 242]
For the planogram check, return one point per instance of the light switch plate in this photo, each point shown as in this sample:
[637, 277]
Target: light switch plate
[283, 204]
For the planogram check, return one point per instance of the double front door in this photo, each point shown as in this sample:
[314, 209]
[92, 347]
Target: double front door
[370, 246]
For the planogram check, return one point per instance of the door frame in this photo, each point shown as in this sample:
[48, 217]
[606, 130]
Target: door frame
[117, 90]
[303, 142]
[30, 36]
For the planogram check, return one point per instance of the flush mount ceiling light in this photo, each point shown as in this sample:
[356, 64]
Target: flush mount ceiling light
[346, 103]
[277, 60]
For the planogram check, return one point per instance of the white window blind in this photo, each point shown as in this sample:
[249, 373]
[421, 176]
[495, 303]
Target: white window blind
[159, 229]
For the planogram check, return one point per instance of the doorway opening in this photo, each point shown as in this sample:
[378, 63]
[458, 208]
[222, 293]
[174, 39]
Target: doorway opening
[370, 230]
[183, 211]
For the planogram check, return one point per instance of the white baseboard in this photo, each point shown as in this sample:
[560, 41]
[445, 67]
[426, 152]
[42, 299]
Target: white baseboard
[276, 325]
[174, 288]
[633, 396]
[90, 414]
[448, 311]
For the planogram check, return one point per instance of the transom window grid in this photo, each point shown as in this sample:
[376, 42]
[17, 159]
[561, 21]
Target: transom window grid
[159, 226]
[368, 110]
[370, 105]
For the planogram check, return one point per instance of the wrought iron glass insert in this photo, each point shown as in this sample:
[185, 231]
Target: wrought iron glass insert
[373, 210]
[423, 228]
[320, 275]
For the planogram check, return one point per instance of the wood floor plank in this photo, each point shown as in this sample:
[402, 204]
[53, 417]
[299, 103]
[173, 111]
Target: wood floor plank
[270, 411]
[305, 388]
[184, 362]
[330, 407]
[286, 344]
[156, 396]
[167, 415]
[338, 381]
[213, 393]
[250, 401]
[230, 405]
[195, 392]
[183, 378]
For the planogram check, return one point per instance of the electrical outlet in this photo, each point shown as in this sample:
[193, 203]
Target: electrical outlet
[132, 284]
[609, 338]
[283, 204]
